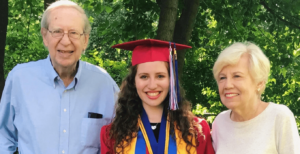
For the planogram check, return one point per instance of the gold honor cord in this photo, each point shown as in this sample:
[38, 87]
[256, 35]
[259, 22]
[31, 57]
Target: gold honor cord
[145, 136]
[167, 136]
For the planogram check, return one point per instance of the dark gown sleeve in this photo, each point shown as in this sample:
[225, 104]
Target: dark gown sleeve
[205, 142]
[106, 143]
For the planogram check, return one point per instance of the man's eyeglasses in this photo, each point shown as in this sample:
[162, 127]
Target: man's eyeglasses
[59, 33]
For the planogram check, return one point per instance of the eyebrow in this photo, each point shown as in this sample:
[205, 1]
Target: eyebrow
[155, 73]
[161, 73]
[237, 72]
[72, 29]
[54, 28]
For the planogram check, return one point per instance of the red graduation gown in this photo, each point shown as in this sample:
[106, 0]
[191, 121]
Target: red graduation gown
[204, 147]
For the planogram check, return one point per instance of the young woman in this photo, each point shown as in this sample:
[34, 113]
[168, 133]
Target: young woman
[145, 121]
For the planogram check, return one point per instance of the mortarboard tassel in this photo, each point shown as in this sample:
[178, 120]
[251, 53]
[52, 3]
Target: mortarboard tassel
[173, 97]
[176, 74]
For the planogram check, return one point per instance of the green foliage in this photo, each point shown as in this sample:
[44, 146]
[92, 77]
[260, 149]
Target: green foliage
[202, 111]
[23, 43]
[219, 24]
[117, 69]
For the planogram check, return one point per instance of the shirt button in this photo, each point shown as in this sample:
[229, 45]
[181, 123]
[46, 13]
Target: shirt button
[65, 91]
[65, 110]
[65, 131]
[63, 151]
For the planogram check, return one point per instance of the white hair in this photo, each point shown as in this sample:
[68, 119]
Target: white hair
[65, 3]
[259, 64]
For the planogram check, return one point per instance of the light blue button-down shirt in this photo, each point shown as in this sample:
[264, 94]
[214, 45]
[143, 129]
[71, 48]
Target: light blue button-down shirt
[39, 115]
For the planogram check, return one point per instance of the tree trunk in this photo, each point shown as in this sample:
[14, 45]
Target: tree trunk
[47, 3]
[184, 28]
[3, 30]
[177, 31]
[167, 19]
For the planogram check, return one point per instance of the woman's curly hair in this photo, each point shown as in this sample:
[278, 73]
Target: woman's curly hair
[129, 107]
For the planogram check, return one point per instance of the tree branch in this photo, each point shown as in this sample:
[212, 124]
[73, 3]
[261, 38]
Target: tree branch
[183, 29]
[284, 12]
[167, 19]
[274, 14]
[3, 30]
[158, 2]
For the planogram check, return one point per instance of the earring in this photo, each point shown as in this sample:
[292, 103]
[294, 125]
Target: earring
[258, 89]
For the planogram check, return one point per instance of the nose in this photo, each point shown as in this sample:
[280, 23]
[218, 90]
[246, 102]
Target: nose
[228, 83]
[65, 40]
[152, 84]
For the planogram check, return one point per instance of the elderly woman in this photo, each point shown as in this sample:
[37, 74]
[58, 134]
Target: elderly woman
[250, 126]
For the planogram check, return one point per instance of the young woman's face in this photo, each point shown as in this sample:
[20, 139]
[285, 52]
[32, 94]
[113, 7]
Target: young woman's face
[152, 83]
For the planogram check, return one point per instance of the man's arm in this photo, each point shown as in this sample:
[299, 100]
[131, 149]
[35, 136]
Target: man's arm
[111, 106]
[8, 132]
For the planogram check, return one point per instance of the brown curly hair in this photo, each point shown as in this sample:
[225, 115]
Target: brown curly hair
[129, 107]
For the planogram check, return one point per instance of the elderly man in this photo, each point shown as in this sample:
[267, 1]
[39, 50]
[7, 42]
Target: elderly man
[58, 104]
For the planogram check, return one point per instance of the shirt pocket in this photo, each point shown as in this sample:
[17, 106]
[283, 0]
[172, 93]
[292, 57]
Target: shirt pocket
[90, 132]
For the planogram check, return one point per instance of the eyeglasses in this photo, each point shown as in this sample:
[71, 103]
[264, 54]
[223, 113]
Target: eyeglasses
[59, 33]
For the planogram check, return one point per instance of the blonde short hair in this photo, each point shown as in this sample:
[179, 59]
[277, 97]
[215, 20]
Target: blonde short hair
[259, 67]
[66, 3]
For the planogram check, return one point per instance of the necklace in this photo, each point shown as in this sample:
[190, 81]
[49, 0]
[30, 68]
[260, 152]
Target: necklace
[154, 127]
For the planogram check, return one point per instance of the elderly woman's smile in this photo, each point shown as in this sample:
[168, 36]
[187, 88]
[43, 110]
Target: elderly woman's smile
[230, 95]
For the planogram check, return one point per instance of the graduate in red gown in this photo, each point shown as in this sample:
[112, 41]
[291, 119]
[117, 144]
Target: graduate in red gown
[152, 115]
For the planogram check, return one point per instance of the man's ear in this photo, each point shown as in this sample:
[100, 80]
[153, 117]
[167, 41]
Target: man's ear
[86, 40]
[44, 34]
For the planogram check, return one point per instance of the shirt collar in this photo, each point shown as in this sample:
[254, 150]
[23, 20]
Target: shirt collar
[79, 71]
[78, 74]
[52, 74]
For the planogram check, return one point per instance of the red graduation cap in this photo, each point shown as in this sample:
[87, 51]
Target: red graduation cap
[149, 50]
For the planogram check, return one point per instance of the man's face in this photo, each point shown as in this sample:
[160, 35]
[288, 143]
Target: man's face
[65, 51]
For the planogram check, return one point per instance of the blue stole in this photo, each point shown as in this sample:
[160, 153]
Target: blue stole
[157, 147]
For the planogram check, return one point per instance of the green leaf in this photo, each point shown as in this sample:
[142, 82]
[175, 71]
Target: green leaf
[98, 8]
[108, 9]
